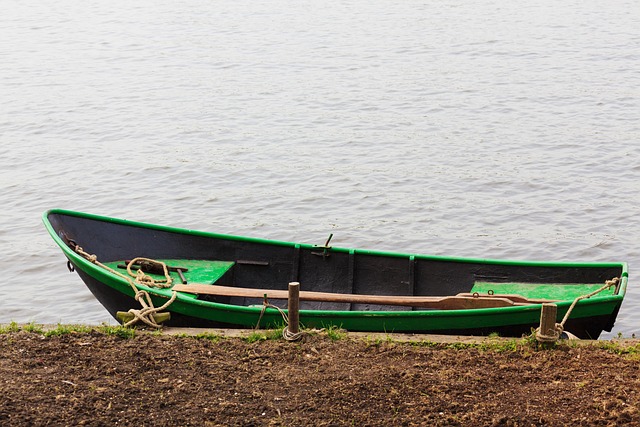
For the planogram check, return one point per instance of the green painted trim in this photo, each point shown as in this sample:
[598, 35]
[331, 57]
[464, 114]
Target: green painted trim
[333, 248]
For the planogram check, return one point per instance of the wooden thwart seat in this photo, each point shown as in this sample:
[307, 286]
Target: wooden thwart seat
[457, 302]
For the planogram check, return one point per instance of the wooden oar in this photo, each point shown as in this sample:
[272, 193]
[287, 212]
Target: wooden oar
[442, 303]
[512, 297]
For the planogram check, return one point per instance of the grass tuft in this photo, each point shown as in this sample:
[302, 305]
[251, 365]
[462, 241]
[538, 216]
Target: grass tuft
[33, 328]
[68, 330]
[265, 335]
[378, 341]
[208, 336]
[275, 334]
[335, 333]
[117, 330]
[255, 337]
[11, 327]
[632, 351]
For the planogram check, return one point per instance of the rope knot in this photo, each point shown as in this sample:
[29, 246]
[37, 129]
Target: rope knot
[144, 279]
[140, 295]
[146, 313]
[286, 334]
[550, 335]
[92, 258]
[554, 335]
[612, 282]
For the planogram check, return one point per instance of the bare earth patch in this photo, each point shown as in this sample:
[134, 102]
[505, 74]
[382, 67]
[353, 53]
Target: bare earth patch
[99, 379]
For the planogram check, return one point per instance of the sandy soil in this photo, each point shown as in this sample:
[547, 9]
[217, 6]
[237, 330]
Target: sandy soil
[99, 379]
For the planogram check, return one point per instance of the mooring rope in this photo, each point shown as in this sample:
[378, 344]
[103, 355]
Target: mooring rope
[144, 314]
[286, 333]
[554, 334]
[144, 279]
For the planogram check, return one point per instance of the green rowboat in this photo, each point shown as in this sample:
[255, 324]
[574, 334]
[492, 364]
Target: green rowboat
[202, 279]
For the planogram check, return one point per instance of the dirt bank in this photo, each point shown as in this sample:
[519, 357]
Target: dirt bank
[99, 379]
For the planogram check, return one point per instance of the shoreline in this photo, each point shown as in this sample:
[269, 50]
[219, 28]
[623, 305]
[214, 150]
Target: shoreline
[244, 333]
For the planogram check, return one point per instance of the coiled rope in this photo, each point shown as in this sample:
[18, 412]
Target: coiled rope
[146, 313]
[286, 333]
[552, 335]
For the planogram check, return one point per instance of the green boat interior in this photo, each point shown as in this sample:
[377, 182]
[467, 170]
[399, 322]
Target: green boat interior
[207, 272]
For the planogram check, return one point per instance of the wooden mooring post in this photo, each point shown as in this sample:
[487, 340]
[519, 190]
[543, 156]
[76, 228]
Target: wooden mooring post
[547, 331]
[293, 306]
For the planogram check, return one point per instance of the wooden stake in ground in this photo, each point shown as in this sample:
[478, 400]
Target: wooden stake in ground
[293, 305]
[547, 331]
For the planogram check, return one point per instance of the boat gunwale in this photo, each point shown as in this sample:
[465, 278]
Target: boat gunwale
[443, 258]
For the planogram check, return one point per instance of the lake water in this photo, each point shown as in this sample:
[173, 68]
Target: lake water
[483, 129]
